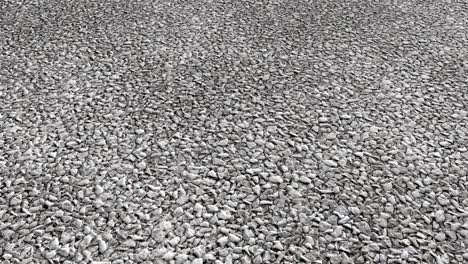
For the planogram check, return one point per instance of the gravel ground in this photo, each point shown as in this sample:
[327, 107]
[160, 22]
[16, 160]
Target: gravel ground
[241, 131]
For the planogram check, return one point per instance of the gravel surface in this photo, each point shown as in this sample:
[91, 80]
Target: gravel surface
[239, 131]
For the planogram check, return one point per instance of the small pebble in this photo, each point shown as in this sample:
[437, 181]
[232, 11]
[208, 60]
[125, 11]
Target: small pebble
[439, 216]
[276, 179]
[169, 255]
[330, 163]
[141, 165]
[197, 261]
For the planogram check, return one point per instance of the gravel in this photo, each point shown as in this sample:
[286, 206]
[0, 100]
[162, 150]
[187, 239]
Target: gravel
[233, 131]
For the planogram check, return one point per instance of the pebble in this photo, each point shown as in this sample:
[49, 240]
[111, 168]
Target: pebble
[223, 240]
[294, 193]
[141, 165]
[163, 144]
[257, 259]
[218, 162]
[355, 210]
[197, 261]
[166, 225]
[374, 129]
[284, 168]
[305, 180]
[7, 234]
[443, 200]
[73, 171]
[129, 243]
[98, 190]
[181, 258]
[330, 163]
[190, 232]
[234, 238]
[440, 237]
[387, 186]
[212, 208]
[51, 254]
[102, 246]
[224, 215]
[199, 251]
[335, 258]
[174, 241]
[223, 142]
[212, 174]
[278, 246]
[15, 200]
[169, 255]
[64, 251]
[144, 254]
[439, 216]
[86, 241]
[54, 243]
[276, 179]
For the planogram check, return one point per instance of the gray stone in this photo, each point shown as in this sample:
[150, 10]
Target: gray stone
[98, 190]
[224, 215]
[102, 246]
[276, 179]
[223, 240]
[234, 238]
[197, 261]
[169, 256]
[181, 258]
[439, 216]
[330, 163]
[223, 142]
[443, 200]
[141, 165]
[129, 243]
[440, 236]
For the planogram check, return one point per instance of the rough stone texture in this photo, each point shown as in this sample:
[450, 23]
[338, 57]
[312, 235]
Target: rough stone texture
[233, 131]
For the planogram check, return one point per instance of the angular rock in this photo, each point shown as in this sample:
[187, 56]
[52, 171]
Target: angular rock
[330, 163]
[276, 179]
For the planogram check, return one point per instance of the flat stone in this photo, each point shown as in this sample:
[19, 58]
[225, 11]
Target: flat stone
[129, 243]
[223, 142]
[234, 238]
[276, 179]
[305, 179]
[330, 163]
[294, 193]
[212, 208]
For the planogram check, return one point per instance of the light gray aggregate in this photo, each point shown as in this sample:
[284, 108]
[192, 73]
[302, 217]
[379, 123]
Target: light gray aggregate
[233, 131]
